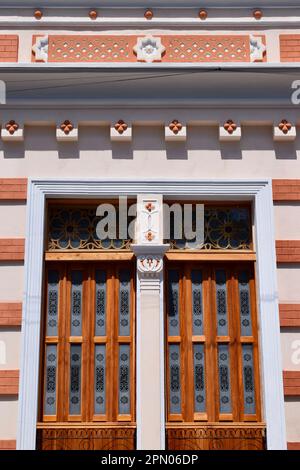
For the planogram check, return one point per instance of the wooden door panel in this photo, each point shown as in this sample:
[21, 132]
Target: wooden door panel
[214, 352]
[92, 376]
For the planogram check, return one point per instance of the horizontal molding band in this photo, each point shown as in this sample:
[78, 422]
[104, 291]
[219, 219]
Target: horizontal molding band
[8, 444]
[285, 190]
[10, 313]
[13, 189]
[289, 315]
[288, 251]
[291, 382]
[9, 382]
[12, 249]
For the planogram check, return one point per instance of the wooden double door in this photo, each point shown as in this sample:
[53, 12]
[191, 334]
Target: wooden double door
[88, 349]
[212, 358]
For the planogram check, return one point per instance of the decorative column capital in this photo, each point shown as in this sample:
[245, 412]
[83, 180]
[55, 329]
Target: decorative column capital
[150, 263]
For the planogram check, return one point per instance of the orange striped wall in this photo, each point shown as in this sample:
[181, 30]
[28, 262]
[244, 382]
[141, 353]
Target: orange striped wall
[12, 249]
[291, 381]
[9, 382]
[12, 189]
[10, 313]
[289, 315]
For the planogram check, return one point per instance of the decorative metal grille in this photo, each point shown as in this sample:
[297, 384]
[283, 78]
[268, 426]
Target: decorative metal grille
[75, 380]
[50, 388]
[173, 310]
[76, 303]
[124, 379]
[245, 306]
[124, 303]
[248, 379]
[197, 303]
[222, 310]
[199, 378]
[52, 308]
[100, 382]
[224, 378]
[175, 382]
[72, 228]
[100, 320]
[224, 229]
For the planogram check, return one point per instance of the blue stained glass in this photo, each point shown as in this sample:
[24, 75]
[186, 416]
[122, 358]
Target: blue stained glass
[100, 303]
[75, 380]
[221, 300]
[245, 304]
[52, 303]
[100, 379]
[224, 379]
[50, 379]
[199, 378]
[197, 304]
[173, 304]
[248, 379]
[124, 303]
[174, 379]
[76, 303]
[124, 379]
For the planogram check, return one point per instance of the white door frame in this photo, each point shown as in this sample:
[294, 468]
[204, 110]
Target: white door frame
[259, 191]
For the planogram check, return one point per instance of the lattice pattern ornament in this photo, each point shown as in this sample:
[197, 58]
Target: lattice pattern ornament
[146, 48]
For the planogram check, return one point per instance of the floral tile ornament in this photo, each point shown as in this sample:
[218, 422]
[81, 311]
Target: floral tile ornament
[149, 49]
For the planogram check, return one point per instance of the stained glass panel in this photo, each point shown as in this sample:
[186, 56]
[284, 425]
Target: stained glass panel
[173, 300]
[75, 380]
[100, 382]
[245, 305]
[174, 378]
[50, 386]
[124, 303]
[221, 300]
[197, 304]
[52, 306]
[76, 303]
[100, 307]
[248, 379]
[199, 378]
[124, 379]
[224, 378]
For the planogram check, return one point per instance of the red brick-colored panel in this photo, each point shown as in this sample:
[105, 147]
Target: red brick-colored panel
[10, 314]
[8, 444]
[13, 189]
[9, 382]
[288, 251]
[12, 249]
[9, 47]
[286, 190]
[291, 382]
[178, 48]
[290, 47]
[289, 315]
[293, 445]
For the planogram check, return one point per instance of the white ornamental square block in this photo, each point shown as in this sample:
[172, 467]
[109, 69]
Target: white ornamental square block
[121, 132]
[230, 131]
[12, 132]
[284, 131]
[67, 132]
[175, 132]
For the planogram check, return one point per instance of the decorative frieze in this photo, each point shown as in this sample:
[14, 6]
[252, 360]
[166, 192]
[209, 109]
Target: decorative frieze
[150, 48]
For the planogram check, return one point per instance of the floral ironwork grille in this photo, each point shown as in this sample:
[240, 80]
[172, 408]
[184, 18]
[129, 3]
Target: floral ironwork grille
[75, 228]
[225, 228]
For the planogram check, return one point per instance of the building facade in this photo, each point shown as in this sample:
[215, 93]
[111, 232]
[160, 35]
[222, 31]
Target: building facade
[155, 119]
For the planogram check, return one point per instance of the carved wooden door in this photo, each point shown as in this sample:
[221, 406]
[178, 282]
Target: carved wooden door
[87, 398]
[212, 358]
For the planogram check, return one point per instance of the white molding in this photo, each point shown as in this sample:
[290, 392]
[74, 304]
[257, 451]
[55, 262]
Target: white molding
[260, 191]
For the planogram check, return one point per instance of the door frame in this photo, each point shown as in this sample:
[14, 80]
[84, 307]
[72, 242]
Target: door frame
[259, 191]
